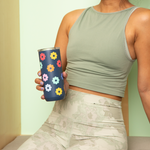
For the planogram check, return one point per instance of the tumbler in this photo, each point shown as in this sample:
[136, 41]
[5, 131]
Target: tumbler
[51, 71]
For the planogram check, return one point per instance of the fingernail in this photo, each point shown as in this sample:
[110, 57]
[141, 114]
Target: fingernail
[42, 88]
[39, 73]
[41, 83]
[42, 96]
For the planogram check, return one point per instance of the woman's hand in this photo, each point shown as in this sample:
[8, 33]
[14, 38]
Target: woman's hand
[41, 83]
[66, 84]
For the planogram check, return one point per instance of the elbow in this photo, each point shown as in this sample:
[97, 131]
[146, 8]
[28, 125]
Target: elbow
[143, 88]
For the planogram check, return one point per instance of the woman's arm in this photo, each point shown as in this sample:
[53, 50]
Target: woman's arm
[142, 50]
[62, 40]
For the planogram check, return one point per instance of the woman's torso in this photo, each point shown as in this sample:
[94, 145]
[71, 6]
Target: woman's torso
[130, 35]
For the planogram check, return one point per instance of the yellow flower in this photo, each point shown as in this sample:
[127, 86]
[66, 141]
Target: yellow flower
[58, 91]
[50, 68]
[53, 55]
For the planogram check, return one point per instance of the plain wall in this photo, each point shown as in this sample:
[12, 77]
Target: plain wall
[10, 117]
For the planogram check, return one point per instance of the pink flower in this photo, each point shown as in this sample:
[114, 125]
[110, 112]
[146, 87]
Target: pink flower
[45, 77]
[42, 56]
[59, 63]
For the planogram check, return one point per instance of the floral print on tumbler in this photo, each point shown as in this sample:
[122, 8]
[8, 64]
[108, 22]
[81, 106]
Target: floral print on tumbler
[51, 69]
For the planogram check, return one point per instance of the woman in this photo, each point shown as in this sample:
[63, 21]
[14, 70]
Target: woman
[98, 47]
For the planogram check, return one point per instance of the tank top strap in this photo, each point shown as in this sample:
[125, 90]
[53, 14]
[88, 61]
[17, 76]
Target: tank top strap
[129, 14]
[79, 19]
[126, 21]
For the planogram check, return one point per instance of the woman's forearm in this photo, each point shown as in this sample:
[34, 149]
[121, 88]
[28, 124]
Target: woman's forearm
[145, 97]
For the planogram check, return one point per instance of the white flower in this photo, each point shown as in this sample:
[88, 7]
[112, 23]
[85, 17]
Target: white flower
[48, 87]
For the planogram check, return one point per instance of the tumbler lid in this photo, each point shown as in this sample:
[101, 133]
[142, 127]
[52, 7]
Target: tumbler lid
[49, 48]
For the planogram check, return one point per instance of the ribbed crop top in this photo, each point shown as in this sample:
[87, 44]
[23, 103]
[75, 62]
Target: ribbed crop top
[98, 58]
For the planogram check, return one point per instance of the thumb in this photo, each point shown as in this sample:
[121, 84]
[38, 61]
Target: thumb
[65, 74]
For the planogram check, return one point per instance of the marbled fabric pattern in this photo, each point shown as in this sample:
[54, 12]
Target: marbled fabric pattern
[81, 121]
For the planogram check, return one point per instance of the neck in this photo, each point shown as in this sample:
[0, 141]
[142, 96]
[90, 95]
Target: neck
[107, 6]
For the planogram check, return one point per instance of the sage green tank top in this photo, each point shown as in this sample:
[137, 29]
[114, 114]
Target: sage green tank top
[98, 58]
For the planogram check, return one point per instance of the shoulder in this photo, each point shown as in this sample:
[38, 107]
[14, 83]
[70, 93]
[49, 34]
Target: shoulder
[70, 18]
[73, 14]
[141, 18]
[142, 14]
[141, 23]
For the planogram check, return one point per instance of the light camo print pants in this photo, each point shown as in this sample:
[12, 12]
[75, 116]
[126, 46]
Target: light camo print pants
[81, 121]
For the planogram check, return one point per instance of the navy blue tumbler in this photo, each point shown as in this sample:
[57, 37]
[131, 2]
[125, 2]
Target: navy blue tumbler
[51, 70]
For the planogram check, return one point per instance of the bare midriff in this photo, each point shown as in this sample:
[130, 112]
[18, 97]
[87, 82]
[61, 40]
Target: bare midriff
[95, 93]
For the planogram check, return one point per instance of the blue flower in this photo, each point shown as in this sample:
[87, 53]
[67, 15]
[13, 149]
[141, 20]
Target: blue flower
[41, 65]
[55, 80]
